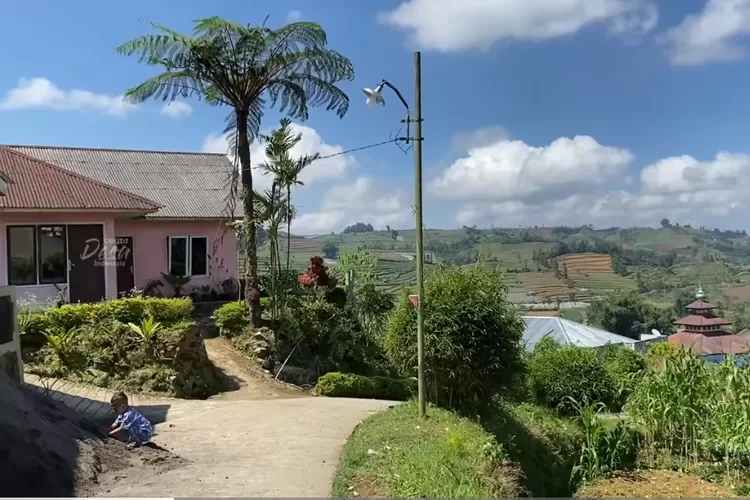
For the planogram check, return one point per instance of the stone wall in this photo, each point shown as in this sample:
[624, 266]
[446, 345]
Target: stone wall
[10, 345]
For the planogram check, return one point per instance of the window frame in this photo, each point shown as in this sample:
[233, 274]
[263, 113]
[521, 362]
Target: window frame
[38, 248]
[189, 254]
[36, 253]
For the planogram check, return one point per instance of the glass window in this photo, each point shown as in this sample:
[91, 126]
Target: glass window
[198, 256]
[21, 261]
[178, 256]
[53, 261]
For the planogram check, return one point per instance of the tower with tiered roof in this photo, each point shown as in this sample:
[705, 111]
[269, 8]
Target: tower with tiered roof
[701, 318]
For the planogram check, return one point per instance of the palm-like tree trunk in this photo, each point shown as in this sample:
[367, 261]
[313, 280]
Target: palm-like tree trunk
[288, 224]
[252, 289]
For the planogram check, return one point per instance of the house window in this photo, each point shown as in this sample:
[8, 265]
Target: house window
[37, 255]
[53, 261]
[188, 255]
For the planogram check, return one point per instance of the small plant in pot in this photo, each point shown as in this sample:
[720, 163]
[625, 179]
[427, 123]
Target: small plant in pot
[205, 293]
[177, 282]
[228, 289]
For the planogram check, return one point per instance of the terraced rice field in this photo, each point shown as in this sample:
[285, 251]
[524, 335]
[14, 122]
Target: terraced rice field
[546, 287]
[592, 274]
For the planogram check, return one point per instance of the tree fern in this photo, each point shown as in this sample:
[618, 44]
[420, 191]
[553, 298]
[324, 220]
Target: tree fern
[247, 68]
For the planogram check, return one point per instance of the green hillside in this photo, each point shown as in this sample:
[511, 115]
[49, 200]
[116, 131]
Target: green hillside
[659, 263]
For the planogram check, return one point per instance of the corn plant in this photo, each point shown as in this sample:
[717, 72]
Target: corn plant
[603, 450]
[695, 412]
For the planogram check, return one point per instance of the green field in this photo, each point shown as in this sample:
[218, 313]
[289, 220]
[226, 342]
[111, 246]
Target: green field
[512, 251]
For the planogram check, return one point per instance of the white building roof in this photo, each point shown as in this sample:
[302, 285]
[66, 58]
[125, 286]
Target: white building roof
[566, 332]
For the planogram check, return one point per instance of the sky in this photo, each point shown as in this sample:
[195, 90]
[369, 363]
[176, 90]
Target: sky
[536, 112]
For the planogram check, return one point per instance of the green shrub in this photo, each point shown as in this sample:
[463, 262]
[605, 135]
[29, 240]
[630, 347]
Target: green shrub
[658, 354]
[232, 318]
[556, 375]
[108, 353]
[327, 339]
[133, 310]
[472, 332]
[626, 367]
[126, 310]
[349, 385]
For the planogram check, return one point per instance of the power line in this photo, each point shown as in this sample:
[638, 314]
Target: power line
[227, 171]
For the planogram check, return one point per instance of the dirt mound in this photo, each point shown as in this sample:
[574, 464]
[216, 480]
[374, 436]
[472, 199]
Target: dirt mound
[655, 484]
[46, 450]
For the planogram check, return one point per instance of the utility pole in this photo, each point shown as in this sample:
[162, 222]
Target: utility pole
[418, 210]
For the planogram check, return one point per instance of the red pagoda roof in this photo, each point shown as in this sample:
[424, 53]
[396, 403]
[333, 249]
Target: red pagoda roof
[701, 304]
[695, 320]
[703, 345]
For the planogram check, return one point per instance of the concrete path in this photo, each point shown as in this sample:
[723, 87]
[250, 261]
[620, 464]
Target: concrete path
[277, 447]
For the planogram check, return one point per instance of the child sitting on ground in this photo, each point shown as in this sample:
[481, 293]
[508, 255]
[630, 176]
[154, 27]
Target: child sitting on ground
[130, 424]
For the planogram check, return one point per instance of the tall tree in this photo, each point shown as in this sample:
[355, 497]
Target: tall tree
[286, 169]
[247, 69]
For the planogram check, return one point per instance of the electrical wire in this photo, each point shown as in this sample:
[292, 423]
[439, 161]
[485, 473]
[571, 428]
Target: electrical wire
[227, 170]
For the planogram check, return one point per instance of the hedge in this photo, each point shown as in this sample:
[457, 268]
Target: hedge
[126, 310]
[349, 385]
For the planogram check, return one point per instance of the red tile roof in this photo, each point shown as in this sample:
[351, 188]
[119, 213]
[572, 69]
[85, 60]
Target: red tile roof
[41, 185]
[703, 345]
[695, 320]
[701, 304]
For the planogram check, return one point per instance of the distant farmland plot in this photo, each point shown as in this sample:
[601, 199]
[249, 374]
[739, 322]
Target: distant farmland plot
[741, 293]
[593, 272]
[546, 286]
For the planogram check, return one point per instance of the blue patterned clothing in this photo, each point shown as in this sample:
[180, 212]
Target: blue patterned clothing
[137, 426]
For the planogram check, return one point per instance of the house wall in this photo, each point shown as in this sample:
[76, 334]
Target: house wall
[44, 293]
[150, 250]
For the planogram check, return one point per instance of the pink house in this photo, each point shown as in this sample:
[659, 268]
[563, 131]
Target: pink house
[90, 224]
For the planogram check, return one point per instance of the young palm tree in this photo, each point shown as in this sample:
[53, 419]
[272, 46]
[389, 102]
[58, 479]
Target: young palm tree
[247, 69]
[270, 209]
[285, 169]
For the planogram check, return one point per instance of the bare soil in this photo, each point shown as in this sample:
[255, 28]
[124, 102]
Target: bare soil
[655, 484]
[46, 450]
[245, 380]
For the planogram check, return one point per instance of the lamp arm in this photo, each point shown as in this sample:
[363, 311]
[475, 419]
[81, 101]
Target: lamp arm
[393, 88]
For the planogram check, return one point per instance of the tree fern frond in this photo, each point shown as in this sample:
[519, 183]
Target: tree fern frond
[166, 86]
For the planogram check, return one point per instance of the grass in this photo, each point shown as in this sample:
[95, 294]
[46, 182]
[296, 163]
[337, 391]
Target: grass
[396, 454]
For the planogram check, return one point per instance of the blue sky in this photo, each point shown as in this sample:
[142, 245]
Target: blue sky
[611, 112]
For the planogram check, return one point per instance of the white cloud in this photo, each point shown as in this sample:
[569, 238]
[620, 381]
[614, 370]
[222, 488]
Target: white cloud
[363, 200]
[293, 16]
[713, 35]
[465, 141]
[40, 93]
[680, 188]
[324, 169]
[512, 170]
[177, 109]
[450, 25]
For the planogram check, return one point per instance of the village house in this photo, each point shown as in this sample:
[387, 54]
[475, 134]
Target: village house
[91, 224]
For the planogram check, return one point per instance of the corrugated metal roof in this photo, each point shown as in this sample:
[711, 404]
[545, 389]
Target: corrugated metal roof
[37, 184]
[188, 185]
[566, 332]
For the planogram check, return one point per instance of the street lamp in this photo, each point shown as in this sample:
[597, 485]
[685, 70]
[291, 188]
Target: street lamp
[374, 98]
